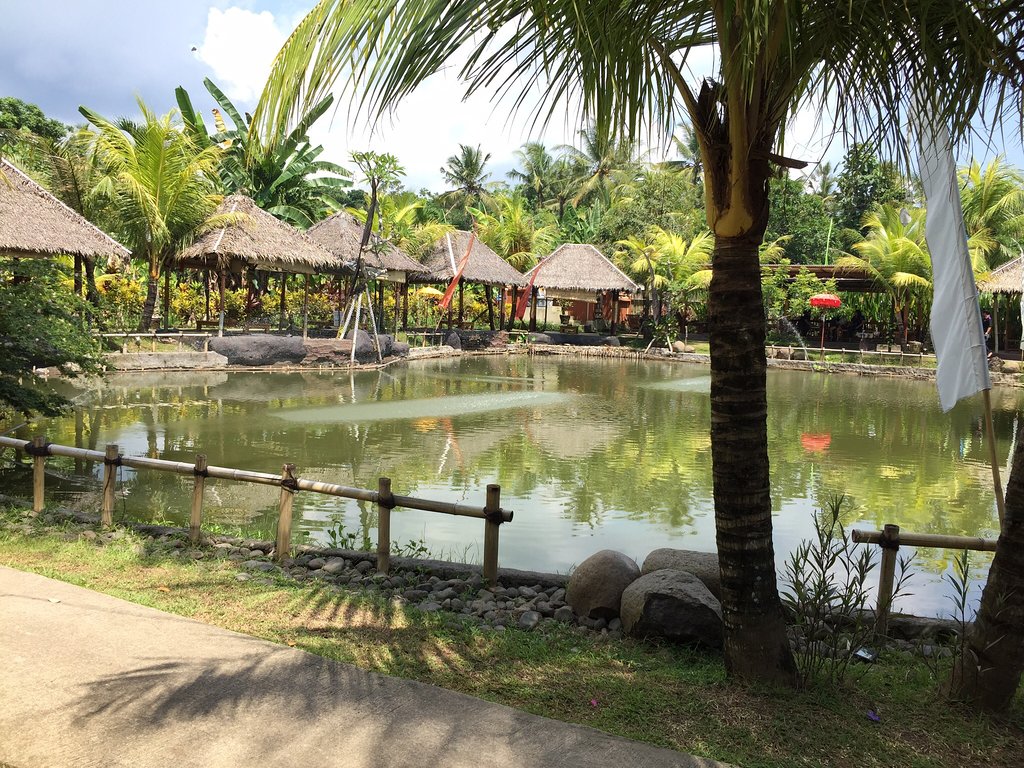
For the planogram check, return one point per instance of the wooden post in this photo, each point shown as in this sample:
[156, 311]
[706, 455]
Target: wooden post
[490, 306]
[501, 308]
[282, 309]
[462, 303]
[167, 297]
[533, 309]
[491, 526]
[305, 308]
[110, 461]
[383, 525]
[197, 499]
[405, 306]
[283, 547]
[512, 308]
[886, 575]
[38, 473]
[220, 322]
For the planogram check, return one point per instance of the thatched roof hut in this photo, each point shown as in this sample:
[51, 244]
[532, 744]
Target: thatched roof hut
[258, 240]
[484, 266]
[35, 223]
[342, 233]
[579, 271]
[1005, 278]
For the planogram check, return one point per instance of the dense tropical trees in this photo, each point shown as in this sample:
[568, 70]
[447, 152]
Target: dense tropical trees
[622, 62]
[514, 233]
[604, 161]
[160, 185]
[287, 178]
[536, 174]
[993, 203]
[20, 121]
[865, 181]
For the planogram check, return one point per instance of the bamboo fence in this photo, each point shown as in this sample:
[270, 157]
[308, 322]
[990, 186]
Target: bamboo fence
[890, 539]
[491, 512]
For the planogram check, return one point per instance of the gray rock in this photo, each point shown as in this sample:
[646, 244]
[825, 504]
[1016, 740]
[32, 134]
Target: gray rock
[445, 594]
[259, 349]
[527, 592]
[703, 565]
[333, 566]
[674, 605]
[595, 587]
[364, 566]
[415, 595]
[558, 595]
[400, 349]
[430, 607]
[258, 565]
[242, 577]
[529, 620]
[615, 625]
[457, 605]
[485, 594]
[454, 341]
[564, 614]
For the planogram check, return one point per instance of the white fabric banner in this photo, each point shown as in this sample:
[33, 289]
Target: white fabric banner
[956, 318]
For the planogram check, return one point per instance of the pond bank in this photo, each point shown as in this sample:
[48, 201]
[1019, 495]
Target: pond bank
[663, 695]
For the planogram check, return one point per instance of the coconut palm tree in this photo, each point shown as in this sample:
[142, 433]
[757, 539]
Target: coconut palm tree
[466, 173]
[604, 162]
[159, 182]
[688, 149]
[538, 167]
[622, 64]
[993, 202]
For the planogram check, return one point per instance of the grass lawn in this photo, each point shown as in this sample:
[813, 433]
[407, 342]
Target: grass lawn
[668, 696]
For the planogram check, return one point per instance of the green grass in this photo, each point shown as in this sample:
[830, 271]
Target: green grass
[667, 696]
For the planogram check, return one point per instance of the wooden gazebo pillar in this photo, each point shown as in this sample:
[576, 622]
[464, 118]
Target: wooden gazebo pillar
[282, 308]
[615, 312]
[462, 303]
[305, 308]
[512, 309]
[220, 323]
[206, 291]
[533, 309]
[501, 307]
[490, 306]
[405, 306]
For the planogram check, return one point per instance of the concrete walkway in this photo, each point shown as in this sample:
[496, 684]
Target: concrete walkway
[90, 680]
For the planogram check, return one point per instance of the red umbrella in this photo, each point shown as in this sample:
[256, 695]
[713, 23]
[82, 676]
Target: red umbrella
[825, 301]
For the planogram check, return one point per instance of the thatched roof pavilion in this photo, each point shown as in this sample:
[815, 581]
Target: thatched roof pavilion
[1005, 278]
[579, 268]
[484, 266]
[258, 240]
[34, 223]
[342, 233]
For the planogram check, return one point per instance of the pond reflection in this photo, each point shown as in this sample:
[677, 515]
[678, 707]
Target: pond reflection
[589, 453]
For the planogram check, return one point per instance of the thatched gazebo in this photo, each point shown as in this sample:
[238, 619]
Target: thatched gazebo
[579, 273]
[342, 234]
[1006, 280]
[256, 239]
[484, 267]
[34, 223]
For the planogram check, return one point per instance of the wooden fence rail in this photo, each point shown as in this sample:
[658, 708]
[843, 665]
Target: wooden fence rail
[890, 539]
[154, 336]
[491, 512]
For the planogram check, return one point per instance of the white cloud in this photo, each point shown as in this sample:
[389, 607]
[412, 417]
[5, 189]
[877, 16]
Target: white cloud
[239, 48]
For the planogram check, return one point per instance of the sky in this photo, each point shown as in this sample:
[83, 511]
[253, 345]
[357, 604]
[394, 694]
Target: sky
[104, 54]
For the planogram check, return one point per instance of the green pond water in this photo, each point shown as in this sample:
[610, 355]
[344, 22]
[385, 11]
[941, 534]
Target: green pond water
[590, 454]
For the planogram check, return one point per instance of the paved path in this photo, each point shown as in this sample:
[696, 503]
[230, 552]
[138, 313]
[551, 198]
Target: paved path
[90, 680]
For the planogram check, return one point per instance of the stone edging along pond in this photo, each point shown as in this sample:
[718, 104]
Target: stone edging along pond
[525, 600]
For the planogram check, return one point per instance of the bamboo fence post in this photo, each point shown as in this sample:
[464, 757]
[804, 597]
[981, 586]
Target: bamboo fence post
[886, 575]
[493, 511]
[384, 505]
[38, 473]
[197, 499]
[284, 521]
[111, 459]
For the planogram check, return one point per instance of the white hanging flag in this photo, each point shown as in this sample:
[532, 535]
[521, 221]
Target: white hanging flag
[956, 318]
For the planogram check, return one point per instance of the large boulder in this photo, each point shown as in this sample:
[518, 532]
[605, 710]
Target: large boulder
[610, 341]
[365, 351]
[674, 605]
[595, 588]
[703, 565]
[258, 349]
[400, 349]
[327, 352]
[454, 341]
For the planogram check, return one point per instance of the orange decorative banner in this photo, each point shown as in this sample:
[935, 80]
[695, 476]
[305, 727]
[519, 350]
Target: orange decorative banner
[524, 297]
[447, 298]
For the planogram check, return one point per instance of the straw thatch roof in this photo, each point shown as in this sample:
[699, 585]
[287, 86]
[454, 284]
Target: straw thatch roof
[258, 240]
[1005, 278]
[580, 267]
[484, 266]
[342, 233]
[35, 223]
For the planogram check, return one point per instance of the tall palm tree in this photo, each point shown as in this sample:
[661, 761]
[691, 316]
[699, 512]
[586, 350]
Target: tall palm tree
[604, 161]
[466, 174]
[621, 62]
[993, 202]
[538, 167]
[161, 185]
[688, 148]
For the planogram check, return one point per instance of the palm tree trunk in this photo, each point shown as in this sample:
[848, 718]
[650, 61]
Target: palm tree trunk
[152, 288]
[92, 293]
[756, 644]
[989, 672]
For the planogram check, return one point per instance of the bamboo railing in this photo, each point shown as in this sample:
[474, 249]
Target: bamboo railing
[890, 539]
[154, 336]
[491, 512]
